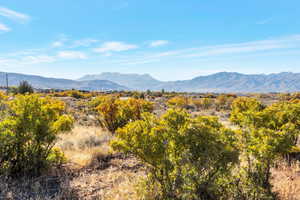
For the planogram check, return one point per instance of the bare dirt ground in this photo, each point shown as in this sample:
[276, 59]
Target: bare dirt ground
[114, 177]
[111, 177]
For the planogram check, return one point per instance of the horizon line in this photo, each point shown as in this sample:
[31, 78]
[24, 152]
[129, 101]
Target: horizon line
[140, 74]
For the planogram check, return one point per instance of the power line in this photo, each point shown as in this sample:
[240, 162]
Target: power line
[6, 75]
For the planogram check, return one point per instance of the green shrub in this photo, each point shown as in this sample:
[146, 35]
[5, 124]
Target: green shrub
[265, 134]
[138, 95]
[187, 158]
[242, 110]
[28, 131]
[3, 106]
[178, 102]
[203, 103]
[223, 102]
[76, 94]
[114, 112]
[24, 87]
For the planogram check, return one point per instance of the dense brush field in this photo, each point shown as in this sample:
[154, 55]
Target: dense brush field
[149, 145]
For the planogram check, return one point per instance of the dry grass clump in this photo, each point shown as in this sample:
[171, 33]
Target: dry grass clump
[116, 182]
[123, 187]
[100, 174]
[286, 181]
[82, 143]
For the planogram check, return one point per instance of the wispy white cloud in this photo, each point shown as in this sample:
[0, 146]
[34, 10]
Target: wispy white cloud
[14, 15]
[57, 44]
[83, 43]
[264, 21]
[61, 41]
[278, 45]
[270, 47]
[72, 55]
[65, 41]
[26, 52]
[4, 28]
[6, 62]
[115, 47]
[27, 60]
[38, 59]
[248, 47]
[158, 43]
[139, 62]
[282, 43]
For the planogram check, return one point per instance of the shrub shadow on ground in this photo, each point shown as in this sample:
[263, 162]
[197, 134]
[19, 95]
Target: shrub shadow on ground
[54, 185]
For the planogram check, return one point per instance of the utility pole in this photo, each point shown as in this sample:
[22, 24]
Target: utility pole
[6, 75]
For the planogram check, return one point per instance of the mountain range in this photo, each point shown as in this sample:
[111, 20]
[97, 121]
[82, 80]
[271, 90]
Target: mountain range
[132, 81]
[56, 83]
[218, 82]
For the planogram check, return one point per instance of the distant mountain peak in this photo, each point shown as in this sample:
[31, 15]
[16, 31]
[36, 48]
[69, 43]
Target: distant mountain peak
[58, 83]
[218, 82]
[130, 80]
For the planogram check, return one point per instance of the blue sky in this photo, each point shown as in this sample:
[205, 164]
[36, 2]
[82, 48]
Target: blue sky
[169, 39]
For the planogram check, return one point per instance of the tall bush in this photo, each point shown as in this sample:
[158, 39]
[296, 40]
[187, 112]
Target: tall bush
[266, 133]
[187, 158]
[114, 112]
[178, 102]
[28, 131]
[223, 102]
[203, 103]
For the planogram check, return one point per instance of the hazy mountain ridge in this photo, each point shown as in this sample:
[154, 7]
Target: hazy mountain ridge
[57, 83]
[219, 82]
[237, 82]
[132, 81]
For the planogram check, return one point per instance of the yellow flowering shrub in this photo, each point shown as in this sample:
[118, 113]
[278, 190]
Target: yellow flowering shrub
[28, 131]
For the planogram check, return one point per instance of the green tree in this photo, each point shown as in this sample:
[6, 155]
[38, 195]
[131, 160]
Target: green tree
[148, 92]
[24, 87]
